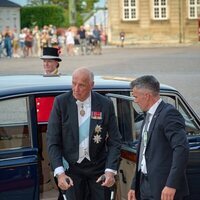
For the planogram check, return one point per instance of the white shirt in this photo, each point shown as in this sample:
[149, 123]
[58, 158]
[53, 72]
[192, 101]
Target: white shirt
[151, 111]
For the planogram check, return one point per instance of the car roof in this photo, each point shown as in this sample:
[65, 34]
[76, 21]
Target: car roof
[23, 84]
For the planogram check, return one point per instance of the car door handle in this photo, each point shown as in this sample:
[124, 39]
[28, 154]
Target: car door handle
[123, 176]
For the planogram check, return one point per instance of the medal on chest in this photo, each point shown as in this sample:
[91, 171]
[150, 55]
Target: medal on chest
[82, 111]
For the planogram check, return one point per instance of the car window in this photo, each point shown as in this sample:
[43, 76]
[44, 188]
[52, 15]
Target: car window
[14, 131]
[191, 125]
[171, 99]
[129, 120]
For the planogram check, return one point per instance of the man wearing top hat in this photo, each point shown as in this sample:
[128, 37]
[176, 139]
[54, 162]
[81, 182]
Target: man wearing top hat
[51, 60]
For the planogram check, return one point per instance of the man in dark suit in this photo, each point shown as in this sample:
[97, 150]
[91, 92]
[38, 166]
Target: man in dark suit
[163, 148]
[82, 131]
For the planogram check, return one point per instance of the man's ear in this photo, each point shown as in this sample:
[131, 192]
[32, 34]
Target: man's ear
[92, 84]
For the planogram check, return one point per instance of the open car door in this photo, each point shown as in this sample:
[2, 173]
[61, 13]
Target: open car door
[129, 121]
[18, 149]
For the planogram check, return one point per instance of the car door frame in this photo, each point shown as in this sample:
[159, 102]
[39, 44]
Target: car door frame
[23, 182]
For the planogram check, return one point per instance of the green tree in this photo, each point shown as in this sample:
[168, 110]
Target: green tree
[43, 15]
[81, 5]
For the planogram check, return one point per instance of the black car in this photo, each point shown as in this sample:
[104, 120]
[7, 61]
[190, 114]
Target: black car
[25, 104]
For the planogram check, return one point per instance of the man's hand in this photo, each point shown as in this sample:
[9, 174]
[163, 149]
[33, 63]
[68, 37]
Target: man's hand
[64, 181]
[107, 179]
[168, 193]
[131, 195]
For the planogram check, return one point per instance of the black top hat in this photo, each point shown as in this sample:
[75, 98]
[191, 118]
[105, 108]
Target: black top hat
[51, 53]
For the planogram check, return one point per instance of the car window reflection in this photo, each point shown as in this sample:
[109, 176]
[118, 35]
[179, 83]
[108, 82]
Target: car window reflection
[14, 131]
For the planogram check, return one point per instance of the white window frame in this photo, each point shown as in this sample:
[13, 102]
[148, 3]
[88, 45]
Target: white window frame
[127, 9]
[193, 9]
[160, 9]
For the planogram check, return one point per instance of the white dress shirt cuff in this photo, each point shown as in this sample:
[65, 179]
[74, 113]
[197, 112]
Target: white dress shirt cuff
[111, 170]
[59, 170]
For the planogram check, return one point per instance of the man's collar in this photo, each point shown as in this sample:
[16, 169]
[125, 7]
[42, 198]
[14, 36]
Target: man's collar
[86, 102]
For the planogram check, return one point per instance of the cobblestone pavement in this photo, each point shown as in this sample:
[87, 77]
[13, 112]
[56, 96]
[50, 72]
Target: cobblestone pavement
[178, 66]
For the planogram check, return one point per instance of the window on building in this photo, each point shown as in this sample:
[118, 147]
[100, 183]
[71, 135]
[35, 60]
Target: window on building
[160, 9]
[194, 9]
[130, 10]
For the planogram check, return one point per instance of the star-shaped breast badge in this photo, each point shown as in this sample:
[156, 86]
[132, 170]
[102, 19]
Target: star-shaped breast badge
[98, 129]
[97, 139]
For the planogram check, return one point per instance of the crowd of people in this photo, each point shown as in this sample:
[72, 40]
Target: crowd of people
[71, 41]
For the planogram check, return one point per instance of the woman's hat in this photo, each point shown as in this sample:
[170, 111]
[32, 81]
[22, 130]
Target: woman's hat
[51, 53]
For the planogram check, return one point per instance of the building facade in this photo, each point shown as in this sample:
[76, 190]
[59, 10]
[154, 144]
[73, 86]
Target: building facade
[153, 21]
[9, 15]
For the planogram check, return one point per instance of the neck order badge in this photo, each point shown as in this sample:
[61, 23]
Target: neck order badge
[82, 111]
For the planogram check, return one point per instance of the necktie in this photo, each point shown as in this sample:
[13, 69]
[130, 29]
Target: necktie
[143, 140]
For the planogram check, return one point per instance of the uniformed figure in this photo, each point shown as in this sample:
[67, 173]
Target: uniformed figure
[51, 60]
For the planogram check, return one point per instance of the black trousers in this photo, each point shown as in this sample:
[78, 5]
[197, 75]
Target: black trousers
[84, 176]
[145, 190]
[87, 189]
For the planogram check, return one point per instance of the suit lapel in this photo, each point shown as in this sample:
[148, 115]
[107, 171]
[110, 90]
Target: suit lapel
[74, 117]
[95, 107]
[154, 119]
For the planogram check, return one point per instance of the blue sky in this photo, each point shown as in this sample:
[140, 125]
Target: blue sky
[101, 3]
[24, 2]
[20, 2]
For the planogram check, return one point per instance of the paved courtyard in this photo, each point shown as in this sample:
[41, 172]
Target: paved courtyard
[178, 66]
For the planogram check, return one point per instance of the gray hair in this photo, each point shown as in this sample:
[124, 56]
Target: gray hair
[148, 82]
[84, 70]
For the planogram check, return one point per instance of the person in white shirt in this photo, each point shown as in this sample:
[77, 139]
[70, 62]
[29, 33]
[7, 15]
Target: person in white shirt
[70, 42]
[163, 148]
